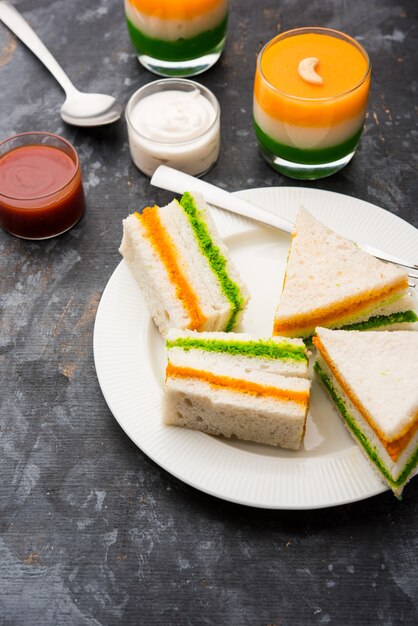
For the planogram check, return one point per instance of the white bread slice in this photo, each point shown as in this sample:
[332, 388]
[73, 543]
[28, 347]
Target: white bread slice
[243, 350]
[195, 404]
[147, 266]
[223, 397]
[327, 274]
[374, 375]
[194, 266]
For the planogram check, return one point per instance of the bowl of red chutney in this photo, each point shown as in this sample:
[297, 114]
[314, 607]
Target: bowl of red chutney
[41, 189]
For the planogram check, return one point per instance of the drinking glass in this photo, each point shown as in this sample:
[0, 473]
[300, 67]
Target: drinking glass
[310, 98]
[177, 37]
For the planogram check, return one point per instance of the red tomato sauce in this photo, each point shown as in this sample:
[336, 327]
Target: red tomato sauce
[41, 193]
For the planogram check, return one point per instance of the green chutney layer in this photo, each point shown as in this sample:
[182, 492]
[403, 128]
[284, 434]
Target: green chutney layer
[178, 49]
[266, 349]
[402, 317]
[371, 451]
[214, 256]
[307, 156]
[378, 321]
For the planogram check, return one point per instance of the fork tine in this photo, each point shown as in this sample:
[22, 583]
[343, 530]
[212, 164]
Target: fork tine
[413, 269]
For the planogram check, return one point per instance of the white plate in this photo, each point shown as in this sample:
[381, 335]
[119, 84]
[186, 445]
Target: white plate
[130, 361]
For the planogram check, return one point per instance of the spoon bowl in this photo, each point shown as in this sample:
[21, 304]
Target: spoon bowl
[79, 109]
[90, 109]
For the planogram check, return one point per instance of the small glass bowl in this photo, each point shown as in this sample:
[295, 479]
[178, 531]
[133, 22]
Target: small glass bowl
[195, 156]
[41, 191]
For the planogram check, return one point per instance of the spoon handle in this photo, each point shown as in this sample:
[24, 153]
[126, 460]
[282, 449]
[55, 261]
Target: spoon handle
[19, 26]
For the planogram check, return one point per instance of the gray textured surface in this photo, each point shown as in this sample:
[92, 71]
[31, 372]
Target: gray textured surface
[92, 531]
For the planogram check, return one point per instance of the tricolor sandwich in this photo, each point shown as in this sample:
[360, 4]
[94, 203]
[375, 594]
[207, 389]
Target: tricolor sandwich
[238, 385]
[331, 282]
[182, 267]
[371, 377]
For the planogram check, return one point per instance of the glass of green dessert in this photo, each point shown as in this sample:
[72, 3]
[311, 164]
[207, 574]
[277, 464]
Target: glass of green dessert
[177, 38]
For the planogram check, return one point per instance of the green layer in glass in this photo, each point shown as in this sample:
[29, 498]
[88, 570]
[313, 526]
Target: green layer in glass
[264, 349]
[362, 439]
[307, 156]
[214, 256]
[179, 49]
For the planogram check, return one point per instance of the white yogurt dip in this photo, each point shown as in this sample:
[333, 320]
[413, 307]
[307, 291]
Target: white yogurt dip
[176, 123]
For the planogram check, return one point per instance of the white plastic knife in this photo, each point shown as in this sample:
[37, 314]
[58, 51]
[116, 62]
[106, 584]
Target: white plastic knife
[173, 180]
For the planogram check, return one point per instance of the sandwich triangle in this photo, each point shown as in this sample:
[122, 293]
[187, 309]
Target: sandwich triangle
[389, 391]
[324, 269]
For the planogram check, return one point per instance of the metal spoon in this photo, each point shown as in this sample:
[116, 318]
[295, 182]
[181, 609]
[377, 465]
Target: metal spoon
[80, 109]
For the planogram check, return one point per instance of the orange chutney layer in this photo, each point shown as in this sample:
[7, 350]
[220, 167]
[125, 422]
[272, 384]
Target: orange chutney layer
[342, 66]
[176, 9]
[331, 314]
[395, 447]
[238, 385]
[163, 245]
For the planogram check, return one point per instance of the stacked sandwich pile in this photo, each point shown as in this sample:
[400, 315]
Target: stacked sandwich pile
[256, 388]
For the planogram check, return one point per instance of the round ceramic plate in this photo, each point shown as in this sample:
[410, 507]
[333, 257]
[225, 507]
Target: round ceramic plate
[130, 362]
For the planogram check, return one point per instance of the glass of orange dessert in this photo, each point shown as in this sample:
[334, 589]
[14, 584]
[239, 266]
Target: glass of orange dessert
[177, 37]
[310, 98]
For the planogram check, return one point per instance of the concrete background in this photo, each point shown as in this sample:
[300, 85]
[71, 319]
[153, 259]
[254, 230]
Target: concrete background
[92, 531]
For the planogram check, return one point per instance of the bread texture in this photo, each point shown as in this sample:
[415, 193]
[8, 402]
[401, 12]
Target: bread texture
[371, 379]
[331, 282]
[231, 394]
[183, 268]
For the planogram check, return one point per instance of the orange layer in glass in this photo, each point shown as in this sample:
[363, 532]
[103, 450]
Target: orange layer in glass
[284, 95]
[175, 9]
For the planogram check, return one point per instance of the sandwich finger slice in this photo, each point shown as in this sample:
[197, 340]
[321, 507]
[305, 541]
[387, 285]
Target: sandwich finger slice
[371, 378]
[237, 386]
[183, 268]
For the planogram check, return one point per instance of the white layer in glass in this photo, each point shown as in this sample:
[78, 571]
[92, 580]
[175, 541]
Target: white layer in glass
[307, 137]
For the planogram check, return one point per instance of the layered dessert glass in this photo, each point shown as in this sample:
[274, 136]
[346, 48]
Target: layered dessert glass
[177, 37]
[310, 98]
